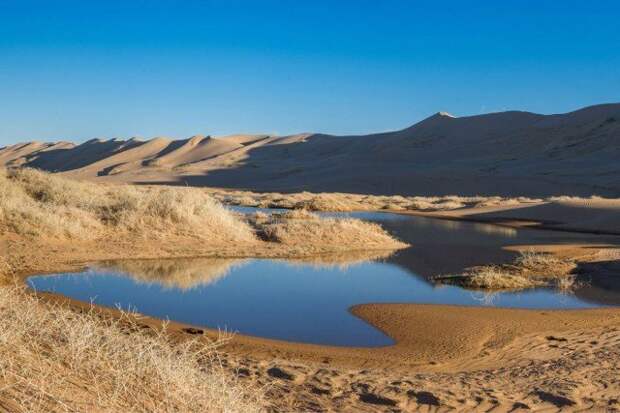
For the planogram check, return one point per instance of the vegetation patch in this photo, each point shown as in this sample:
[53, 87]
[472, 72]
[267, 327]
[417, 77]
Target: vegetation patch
[37, 204]
[34, 203]
[343, 202]
[303, 228]
[528, 270]
[54, 359]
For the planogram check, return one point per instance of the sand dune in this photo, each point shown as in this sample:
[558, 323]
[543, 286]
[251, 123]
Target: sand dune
[507, 153]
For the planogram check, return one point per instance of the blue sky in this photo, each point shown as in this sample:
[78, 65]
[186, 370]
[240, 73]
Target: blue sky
[81, 69]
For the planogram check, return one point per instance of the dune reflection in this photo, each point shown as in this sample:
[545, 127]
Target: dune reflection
[507, 232]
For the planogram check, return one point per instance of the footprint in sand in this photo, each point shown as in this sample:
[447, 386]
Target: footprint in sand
[376, 399]
[278, 373]
[558, 401]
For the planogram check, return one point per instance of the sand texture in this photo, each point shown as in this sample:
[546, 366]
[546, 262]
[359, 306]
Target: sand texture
[446, 358]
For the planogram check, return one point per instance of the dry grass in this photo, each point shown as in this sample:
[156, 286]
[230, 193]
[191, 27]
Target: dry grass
[5, 269]
[53, 359]
[543, 265]
[529, 270]
[343, 202]
[324, 202]
[608, 254]
[492, 277]
[567, 284]
[38, 204]
[302, 228]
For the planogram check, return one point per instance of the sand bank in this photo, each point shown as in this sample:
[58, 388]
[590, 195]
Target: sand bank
[445, 357]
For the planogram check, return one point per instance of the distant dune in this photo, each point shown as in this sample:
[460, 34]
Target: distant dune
[507, 153]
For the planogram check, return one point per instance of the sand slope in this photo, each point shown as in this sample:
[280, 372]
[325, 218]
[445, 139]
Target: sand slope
[508, 153]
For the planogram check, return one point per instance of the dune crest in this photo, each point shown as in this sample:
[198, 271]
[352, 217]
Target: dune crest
[511, 153]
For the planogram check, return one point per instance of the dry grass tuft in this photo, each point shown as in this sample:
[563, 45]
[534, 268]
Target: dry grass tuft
[297, 214]
[529, 270]
[5, 269]
[307, 231]
[39, 204]
[567, 284]
[543, 265]
[324, 202]
[53, 359]
[493, 277]
[302, 228]
[344, 233]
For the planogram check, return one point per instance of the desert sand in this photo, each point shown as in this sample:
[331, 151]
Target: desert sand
[565, 213]
[508, 153]
[445, 357]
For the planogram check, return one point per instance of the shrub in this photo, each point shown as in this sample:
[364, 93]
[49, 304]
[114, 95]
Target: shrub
[36, 203]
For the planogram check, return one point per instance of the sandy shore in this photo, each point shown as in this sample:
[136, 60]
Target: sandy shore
[445, 357]
[594, 216]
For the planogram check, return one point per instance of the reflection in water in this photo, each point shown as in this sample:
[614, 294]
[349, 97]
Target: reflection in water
[276, 298]
[181, 273]
[187, 273]
[449, 247]
[308, 300]
[453, 225]
[507, 232]
[342, 260]
[604, 286]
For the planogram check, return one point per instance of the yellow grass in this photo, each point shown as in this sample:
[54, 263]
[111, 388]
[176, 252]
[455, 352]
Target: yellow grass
[53, 359]
[343, 202]
[5, 269]
[35, 203]
[543, 265]
[528, 270]
[303, 228]
[494, 277]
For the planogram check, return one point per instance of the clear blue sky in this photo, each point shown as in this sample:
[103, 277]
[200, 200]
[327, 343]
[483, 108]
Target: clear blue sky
[81, 69]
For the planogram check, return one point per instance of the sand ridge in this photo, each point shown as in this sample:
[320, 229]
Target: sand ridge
[508, 153]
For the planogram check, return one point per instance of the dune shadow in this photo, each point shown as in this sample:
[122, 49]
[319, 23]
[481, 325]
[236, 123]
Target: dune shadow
[599, 282]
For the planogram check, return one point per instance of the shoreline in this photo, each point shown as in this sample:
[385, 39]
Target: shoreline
[372, 313]
[444, 357]
[435, 345]
[502, 222]
[405, 323]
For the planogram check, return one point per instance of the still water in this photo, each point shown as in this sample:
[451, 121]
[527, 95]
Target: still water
[309, 301]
